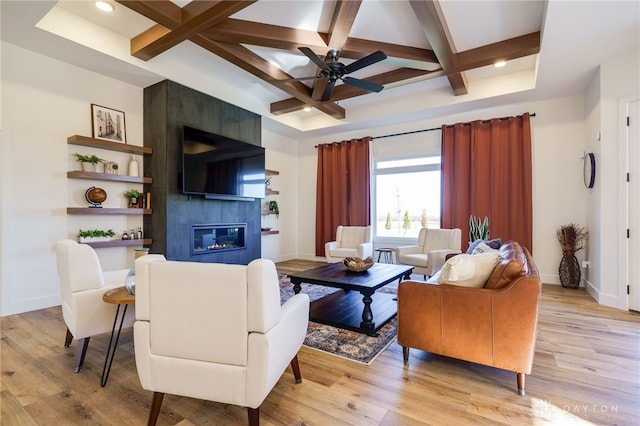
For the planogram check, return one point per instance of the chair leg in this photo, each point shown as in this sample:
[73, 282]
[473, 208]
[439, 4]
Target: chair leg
[154, 411]
[296, 369]
[83, 344]
[520, 380]
[254, 416]
[68, 338]
[405, 355]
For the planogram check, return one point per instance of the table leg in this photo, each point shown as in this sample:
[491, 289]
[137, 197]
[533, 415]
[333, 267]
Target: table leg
[296, 288]
[111, 352]
[367, 315]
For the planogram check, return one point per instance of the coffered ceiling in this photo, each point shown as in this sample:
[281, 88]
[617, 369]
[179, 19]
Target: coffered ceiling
[439, 54]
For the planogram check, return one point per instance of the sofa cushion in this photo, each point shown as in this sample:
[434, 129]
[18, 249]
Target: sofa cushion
[469, 270]
[513, 264]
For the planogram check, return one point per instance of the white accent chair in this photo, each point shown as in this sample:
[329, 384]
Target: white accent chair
[214, 331]
[431, 252]
[351, 241]
[82, 284]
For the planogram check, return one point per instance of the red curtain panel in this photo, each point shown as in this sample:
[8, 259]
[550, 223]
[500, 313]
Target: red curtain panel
[343, 188]
[487, 171]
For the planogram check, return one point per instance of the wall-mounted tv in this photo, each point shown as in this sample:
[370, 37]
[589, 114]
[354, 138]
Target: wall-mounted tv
[221, 168]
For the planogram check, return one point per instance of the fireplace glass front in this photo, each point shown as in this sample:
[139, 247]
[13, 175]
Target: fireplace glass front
[217, 237]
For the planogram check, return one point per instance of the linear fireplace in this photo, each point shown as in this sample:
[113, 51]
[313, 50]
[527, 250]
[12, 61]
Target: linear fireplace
[215, 238]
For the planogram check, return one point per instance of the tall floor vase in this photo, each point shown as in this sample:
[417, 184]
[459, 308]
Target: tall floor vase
[569, 271]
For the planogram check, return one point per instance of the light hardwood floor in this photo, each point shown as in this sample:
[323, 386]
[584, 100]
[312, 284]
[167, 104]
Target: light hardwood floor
[586, 371]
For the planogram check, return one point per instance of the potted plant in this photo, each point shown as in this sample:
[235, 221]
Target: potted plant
[95, 235]
[89, 162]
[478, 229]
[132, 195]
[571, 238]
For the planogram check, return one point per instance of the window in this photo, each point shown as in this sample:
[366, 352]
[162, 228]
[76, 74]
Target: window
[407, 196]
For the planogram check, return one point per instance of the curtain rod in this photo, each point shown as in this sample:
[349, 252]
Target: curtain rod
[440, 128]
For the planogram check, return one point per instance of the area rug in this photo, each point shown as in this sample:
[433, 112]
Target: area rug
[347, 344]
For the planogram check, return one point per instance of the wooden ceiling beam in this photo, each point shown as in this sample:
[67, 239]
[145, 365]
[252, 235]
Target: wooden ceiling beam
[252, 63]
[265, 35]
[517, 47]
[164, 12]
[356, 48]
[436, 31]
[344, 14]
[195, 17]
[285, 38]
[345, 91]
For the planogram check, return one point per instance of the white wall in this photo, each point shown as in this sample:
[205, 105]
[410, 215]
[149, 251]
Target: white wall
[618, 79]
[281, 155]
[43, 102]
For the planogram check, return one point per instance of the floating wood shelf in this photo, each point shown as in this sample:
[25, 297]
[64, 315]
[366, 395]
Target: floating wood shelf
[106, 210]
[272, 192]
[271, 172]
[267, 212]
[103, 144]
[272, 232]
[77, 174]
[120, 243]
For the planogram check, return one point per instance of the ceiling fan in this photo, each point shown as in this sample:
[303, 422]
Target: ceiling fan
[334, 70]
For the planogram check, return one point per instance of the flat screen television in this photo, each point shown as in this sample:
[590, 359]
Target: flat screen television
[221, 168]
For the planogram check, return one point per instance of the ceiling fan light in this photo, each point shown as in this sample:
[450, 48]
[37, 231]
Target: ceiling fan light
[105, 6]
[500, 64]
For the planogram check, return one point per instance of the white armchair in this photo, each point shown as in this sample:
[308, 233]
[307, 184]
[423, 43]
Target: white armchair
[214, 331]
[351, 241]
[433, 247]
[82, 284]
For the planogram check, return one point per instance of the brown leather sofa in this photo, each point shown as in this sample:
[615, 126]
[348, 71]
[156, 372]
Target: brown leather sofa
[495, 325]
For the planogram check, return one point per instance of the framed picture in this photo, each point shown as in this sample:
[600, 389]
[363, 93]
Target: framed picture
[107, 124]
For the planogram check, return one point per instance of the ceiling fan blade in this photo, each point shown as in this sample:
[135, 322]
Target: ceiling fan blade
[328, 90]
[316, 60]
[363, 84]
[365, 62]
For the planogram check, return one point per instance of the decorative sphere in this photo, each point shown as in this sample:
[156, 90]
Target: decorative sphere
[95, 195]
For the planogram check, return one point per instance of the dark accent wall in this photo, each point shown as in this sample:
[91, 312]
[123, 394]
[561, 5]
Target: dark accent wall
[167, 107]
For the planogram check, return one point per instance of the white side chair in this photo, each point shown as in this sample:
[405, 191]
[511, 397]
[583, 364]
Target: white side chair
[82, 284]
[429, 255]
[214, 331]
[351, 241]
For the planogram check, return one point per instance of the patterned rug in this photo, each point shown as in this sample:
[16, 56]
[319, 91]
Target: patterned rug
[337, 341]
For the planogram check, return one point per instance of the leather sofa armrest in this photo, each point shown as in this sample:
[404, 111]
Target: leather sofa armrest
[330, 246]
[420, 315]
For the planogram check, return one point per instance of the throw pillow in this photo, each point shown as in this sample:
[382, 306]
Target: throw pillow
[473, 245]
[495, 243]
[483, 248]
[469, 270]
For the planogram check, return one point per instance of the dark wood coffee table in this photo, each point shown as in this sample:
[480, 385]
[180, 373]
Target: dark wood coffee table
[345, 308]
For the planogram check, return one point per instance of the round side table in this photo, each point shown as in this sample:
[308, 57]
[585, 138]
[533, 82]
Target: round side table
[117, 296]
[386, 253]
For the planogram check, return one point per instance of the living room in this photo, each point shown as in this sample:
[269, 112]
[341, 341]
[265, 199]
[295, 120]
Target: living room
[46, 100]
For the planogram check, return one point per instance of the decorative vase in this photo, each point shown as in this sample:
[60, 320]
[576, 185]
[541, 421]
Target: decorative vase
[133, 167]
[569, 271]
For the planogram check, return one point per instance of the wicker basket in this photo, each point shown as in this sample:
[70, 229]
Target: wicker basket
[357, 264]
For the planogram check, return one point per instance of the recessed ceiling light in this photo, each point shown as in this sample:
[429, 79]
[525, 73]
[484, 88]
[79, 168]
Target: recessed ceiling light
[307, 109]
[105, 6]
[500, 64]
